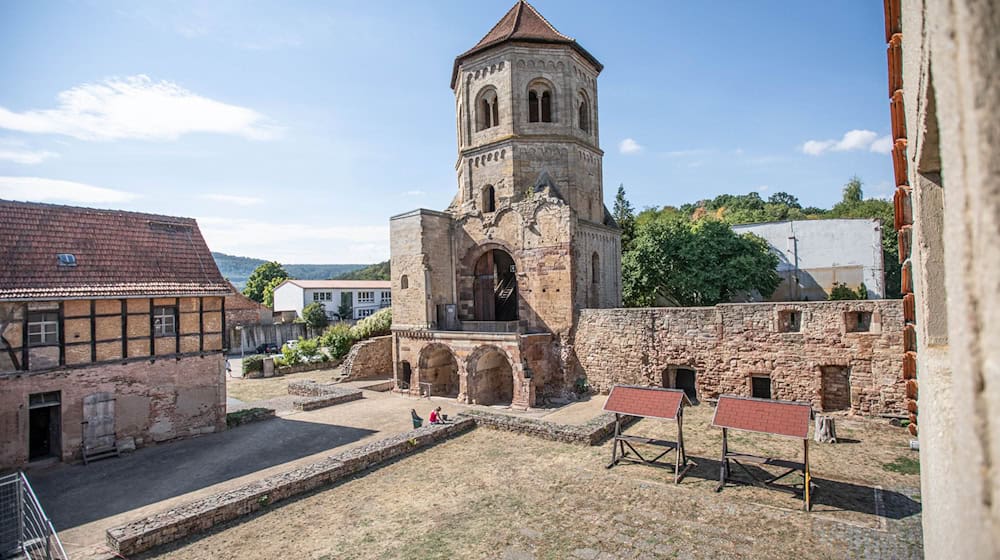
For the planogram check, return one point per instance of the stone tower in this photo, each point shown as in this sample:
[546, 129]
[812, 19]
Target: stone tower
[527, 242]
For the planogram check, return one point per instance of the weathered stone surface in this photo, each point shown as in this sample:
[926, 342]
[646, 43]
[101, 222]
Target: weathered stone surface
[727, 345]
[369, 358]
[591, 433]
[320, 395]
[201, 515]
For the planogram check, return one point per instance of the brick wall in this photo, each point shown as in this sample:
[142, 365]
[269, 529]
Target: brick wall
[155, 400]
[728, 344]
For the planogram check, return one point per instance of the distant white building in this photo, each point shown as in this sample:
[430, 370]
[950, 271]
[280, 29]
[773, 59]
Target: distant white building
[815, 254]
[364, 296]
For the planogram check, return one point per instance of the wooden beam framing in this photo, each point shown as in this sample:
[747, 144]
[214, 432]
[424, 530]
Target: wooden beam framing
[93, 330]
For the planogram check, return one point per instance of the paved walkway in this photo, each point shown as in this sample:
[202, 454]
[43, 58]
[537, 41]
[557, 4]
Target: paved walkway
[84, 501]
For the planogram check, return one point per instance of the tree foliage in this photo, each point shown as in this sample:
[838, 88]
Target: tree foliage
[269, 291]
[261, 277]
[377, 271]
[680, 262]
[314, 315]
[624, 214]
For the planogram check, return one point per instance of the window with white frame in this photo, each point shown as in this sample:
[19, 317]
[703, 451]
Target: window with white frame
[315, 296]
[387, 297]
[366, 297]
[43, 329]
[365, 312]
[164, 321]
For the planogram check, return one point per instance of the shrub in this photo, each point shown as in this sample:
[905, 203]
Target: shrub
[290, 355]
[314, 315]
[253, 363]
[377, 324]
[308, 350]
[338, 339]
[843, 291]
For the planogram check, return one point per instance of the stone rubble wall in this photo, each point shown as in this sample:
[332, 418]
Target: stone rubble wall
[728, 344]
[320, 395]
[591, 433]
[369, 358]
[201, 515]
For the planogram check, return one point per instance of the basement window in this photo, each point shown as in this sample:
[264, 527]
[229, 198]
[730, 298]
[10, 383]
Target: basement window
[760, 386]
[66, 259]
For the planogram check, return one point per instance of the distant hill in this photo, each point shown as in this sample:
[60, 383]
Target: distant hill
[377, 271]
[238, 269]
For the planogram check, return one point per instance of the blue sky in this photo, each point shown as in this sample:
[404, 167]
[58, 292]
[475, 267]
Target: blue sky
[293, 130]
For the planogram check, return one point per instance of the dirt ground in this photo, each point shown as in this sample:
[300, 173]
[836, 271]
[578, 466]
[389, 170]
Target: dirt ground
[493, 494]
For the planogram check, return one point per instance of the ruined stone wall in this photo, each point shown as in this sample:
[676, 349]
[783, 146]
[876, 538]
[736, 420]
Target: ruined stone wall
[604, 242]
[369, 358]
[155, 400]
[420, 252]
[728, 344]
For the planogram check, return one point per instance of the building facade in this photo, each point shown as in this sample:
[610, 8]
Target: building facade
[944, 100]
[364, 297]
[817, 254]
[485, 293]
[111, 327]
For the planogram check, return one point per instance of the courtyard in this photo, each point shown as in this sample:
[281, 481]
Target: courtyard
[489, 494]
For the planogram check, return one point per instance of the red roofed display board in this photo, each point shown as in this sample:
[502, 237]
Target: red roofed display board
[648, 402]
[782, 418]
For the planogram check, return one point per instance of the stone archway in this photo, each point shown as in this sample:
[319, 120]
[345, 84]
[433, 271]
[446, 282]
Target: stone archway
[438, 368]
[495, 287]
[491, 377]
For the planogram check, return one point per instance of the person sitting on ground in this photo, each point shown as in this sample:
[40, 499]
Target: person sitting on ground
[417, 421]
[436, 417]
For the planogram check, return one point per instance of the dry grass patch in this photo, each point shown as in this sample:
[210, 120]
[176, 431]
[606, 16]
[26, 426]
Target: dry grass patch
[492, 494]
[263, 388]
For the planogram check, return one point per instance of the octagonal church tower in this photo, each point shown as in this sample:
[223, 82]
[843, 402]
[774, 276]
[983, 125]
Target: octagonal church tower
[489, 288]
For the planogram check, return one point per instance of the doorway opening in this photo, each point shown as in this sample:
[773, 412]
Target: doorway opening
[44, 425]
[495, 288]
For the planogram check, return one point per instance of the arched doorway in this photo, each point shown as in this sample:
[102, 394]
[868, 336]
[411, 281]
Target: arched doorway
[495, 287]
[438, 371]
[491, 378]
[405, 375]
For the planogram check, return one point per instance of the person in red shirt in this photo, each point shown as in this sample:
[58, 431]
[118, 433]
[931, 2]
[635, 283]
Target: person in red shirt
[435, 417]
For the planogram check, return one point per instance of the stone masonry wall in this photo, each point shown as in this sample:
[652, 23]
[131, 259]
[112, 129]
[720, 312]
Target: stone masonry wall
[154, 401]
[729, 344]
[369, 358]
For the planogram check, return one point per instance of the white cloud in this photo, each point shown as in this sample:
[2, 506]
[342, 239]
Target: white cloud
[629, 146]
[137, 107]
[687, 153]
[296, 243]
[883, 145]
[232, 199]
[414, 193]
[26, 157]
[762, 188]
[852, 140]
[41, 189]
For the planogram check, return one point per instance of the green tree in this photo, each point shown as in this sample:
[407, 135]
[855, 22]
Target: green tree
[624, 214]
[377, 271]
[785, 199]
[678, 262]
[269, 291]
[852, 191]
[261, 277]
[314, 315]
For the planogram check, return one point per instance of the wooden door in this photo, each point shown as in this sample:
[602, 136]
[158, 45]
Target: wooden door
[484, 287]
[98, 421]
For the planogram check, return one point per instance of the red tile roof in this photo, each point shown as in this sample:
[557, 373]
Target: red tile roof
[522, 23]
[783, 418]
[649, 402]
[118, 254]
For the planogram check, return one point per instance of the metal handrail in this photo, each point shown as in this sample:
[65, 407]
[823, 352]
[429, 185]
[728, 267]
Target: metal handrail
[25, 530]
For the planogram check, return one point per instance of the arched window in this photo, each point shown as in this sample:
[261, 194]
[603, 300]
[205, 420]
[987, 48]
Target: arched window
[487, 109]
[404, 282]
[489, 199]
[595, 269]
[583, 113]
[539, 103]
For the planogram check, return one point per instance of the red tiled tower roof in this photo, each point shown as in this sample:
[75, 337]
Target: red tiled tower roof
[117, 254]
[522, 23]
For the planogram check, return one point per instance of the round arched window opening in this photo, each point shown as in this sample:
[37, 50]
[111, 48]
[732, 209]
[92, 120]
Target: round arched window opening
[487, 109]
[539, 103]
[489, 199]
[404, 282]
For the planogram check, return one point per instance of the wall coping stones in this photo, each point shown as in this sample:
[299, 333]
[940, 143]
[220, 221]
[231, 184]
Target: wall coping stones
[320, 395]
[201, 515]
[592, 432]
